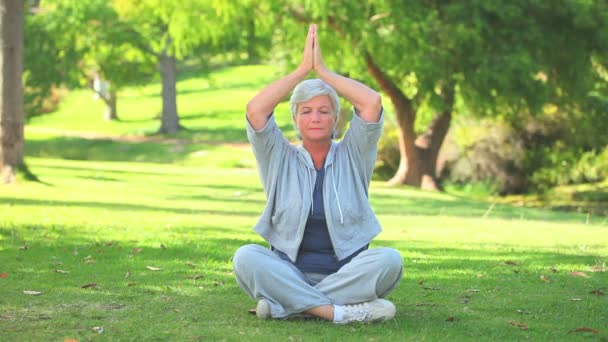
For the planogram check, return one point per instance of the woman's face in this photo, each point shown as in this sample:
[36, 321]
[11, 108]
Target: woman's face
[315, 119]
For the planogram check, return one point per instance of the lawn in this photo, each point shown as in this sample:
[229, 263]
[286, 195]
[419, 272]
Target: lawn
[129, 236]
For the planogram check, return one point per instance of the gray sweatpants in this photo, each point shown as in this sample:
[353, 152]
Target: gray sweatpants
[262, 274]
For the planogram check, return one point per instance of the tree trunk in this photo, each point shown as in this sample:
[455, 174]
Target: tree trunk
[11, 89]
[418, 155]
[169, 118]
[110, 101]
[252, 48]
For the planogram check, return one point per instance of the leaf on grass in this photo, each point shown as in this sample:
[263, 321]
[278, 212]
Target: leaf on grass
[579, 274]
[88, 260]
[3, 275]
[152, 268]
[131, 284]
[128, 274]
[218, 283]
[601, 268]
[544, 278]
[136, 250]
[32, 293]
[421, 282]
[473, 290]
[24, 248]
[584, 329]
[575, 299]
[86, 286]
[451, 319]
[62, 271]
[520, 325]
[511, 263]
[597, 292]
[196, 277]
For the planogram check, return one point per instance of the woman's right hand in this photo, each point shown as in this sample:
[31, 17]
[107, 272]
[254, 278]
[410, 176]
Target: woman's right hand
[307, 63]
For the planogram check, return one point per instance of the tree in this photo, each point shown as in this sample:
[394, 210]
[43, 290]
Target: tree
[81, 43]
[11, 89]
[435, 58]
[171, 30]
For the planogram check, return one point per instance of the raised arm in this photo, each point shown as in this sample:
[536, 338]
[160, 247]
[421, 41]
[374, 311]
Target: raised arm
[263, 104]
[366, 101]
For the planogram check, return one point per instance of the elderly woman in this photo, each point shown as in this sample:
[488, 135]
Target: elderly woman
[317, 219]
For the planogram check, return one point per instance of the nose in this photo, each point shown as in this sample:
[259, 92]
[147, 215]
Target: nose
[316, 117]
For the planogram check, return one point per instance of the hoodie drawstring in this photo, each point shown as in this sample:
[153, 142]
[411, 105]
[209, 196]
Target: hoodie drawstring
[312, 186]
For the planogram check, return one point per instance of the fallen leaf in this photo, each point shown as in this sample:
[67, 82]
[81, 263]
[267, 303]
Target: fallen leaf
[88, 260]
[579, 274]
[421, 282]
[575, 299]
[136, 250]
[520, 325]
[62, 271]
[86, 286]
[584, 329]
[451, 319]
[602, 268]
[544, 278]
[131, 284]
[3, 275]
[473, 290]
[24, 248]
[152, 268]
[511, 263]
[218, 283]
[128, 274]
[196, 277]
[597, 292]
[32, 293]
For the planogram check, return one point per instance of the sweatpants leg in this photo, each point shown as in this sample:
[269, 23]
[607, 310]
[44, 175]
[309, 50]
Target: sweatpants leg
[372, 274]
[262, 274]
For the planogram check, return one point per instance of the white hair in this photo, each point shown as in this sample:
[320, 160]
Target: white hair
[308, 89]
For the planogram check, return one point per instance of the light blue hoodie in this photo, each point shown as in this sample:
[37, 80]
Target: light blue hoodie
[288, 176]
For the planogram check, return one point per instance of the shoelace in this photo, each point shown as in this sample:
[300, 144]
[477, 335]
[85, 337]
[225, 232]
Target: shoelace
[357, 313]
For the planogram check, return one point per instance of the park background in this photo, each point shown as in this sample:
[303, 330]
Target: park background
[135, 183]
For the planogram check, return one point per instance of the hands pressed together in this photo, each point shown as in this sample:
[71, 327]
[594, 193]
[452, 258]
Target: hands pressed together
[312, 59]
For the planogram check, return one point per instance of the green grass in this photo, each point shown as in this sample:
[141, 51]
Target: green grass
[110, 203]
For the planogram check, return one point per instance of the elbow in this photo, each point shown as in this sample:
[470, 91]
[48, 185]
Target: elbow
[374, 103]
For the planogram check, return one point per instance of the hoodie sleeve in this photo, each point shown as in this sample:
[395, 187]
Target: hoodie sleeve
[362, 139]
[268, 145]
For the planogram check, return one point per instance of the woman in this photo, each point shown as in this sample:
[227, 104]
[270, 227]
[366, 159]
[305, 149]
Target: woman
[317, 219]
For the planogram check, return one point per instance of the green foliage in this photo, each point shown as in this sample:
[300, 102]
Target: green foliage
[562, 166]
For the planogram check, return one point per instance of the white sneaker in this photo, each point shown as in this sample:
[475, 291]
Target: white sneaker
[262, 310]
[377, 310]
